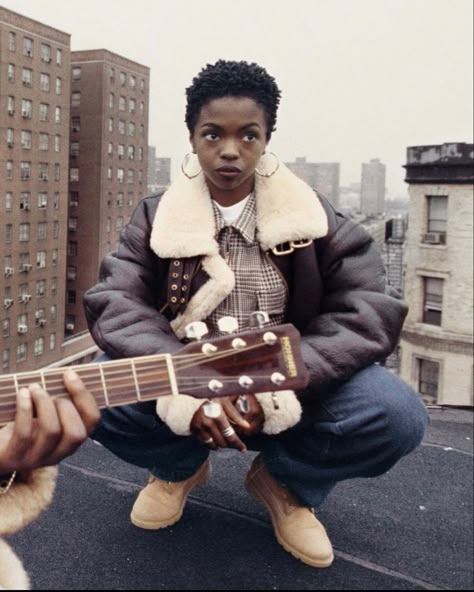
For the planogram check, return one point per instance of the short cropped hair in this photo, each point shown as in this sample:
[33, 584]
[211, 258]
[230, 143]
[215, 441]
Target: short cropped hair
[235, 79]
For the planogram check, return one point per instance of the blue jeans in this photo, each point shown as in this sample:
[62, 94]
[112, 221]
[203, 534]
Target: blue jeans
[359, 430]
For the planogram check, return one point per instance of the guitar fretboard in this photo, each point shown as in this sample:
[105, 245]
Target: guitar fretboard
[116, 382]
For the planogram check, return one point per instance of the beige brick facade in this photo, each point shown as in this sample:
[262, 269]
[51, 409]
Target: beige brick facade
[449, 345]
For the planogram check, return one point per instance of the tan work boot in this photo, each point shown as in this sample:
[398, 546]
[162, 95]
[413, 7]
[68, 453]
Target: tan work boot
[161, 503]
[296, 528]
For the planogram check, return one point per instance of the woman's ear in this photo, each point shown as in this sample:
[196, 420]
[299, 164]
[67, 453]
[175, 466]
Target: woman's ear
[191, 141]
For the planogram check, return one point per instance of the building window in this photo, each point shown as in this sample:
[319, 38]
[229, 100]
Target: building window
[72, 248]
[52, 341]
[6, 359]
[110, 149]
[76, 73]
[44, 82]
[142, 130]
[120, 175]
[75, 146]
[72, 224]
[76, 124]
[57, 143]
[76, 99]
[119, 223]
[26, 108]
[27, 77]
[42, 231]
[130, 198]
[11, 105]
[25, 200]
[111, 124]
[111, 100]
[9, 201]
[11, 41]
[112, 74]
[74, 175]
[131, 176]
[6, 328]
[132, 105]
[436, 226]
[45, 51]
[44, 141]
[109, 224]
[131, 129]
[8, 235]
[71, 296]
[9, 169]
[27, 47]
[122, 103]
[121, 151]
[40, 287]
[72, 271]
[59, 57]
[54, 257]
[11, 72]
[140, 154]
[109, 173]
[21, 352]
[59, 86]
[57, 115]
[42, 200]
[428, 380]
[43, 171]
[123, 79]
[432, 300]
[53, 312]
[25, 170]
[44, 112]
[55, 229]
[142, 85]
[41, 259]
[10, 137]
[57, 171]
[120, 199]
[26, 139]
[131, 152]
[56, 200]
[24, 234]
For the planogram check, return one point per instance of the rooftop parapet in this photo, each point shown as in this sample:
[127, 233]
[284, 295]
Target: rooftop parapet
[451, 162]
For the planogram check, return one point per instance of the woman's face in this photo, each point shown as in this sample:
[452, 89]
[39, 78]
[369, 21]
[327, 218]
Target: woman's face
[229, 138]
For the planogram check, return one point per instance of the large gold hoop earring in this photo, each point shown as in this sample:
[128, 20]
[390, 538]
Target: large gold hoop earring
[184, 164]
[264, 165]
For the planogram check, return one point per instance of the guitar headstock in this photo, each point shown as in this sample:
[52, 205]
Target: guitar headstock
[265, 359]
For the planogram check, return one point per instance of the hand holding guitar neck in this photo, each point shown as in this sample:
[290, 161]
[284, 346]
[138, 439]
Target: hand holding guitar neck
[46, 430]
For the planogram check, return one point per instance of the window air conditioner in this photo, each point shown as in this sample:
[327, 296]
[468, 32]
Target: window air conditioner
[434, 238]
[11, 111]
[74, 204]
[42, 322]
[25, 113]
[7, 302]
[70, 327]
[26, 267]
[22, 329]
[10, 144]
[24, 298]
[9, 271]
[25, 206]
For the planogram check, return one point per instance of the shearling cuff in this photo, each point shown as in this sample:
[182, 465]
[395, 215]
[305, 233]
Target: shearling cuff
[12, 573]
[26, 500]
[286, 416]
[177, 412]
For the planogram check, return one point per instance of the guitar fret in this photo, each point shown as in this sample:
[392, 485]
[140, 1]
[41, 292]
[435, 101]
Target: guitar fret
[171, 375]
[104, 386]
[43, 381]
[15, 379]
[134, 372]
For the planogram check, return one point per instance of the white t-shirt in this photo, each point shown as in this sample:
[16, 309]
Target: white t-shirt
[231, 213]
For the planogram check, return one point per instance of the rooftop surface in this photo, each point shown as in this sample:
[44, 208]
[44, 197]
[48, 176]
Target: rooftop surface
[411, 529]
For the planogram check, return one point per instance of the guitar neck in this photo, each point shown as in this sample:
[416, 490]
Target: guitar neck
[112, 383]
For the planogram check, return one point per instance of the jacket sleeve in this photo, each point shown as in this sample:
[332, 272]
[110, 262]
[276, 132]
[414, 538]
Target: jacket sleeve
[121, 309]
[360, 321]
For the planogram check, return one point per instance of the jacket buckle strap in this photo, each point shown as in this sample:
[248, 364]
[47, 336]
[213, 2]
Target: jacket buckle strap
[180, 275]
[288, 247]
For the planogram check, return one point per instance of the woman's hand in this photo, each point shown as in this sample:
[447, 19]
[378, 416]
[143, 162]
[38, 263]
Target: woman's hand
[47, 430]
[254, 417]
[209, 431]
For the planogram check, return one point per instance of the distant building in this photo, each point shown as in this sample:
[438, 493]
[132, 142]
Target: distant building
[436, 345]
[159, 171]
[372, 191]
[323, 176]
[108, 164]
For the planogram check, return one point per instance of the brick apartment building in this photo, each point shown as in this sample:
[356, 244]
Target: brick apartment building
[34, 122]
[436, 344]
[108, 164]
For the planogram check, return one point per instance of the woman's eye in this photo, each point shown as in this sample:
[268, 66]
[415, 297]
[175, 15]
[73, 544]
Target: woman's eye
[212, 137]
[250, 137]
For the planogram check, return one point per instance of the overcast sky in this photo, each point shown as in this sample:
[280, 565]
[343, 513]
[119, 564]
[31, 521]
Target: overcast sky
[360, 78]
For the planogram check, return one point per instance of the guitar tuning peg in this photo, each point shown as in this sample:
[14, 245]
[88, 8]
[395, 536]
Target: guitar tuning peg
[259, 318]
[228, 325]
[196, 330]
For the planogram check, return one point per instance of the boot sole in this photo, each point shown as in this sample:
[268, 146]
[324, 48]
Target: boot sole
[158, 525]
[297, 554]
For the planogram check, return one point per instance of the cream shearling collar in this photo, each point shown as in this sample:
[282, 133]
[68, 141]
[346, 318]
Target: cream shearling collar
[287, 210]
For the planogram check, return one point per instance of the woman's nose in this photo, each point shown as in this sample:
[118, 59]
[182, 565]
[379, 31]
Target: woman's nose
[229, 150]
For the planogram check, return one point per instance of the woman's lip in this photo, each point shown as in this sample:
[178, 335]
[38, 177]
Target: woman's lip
[228, 169]
[228, 174]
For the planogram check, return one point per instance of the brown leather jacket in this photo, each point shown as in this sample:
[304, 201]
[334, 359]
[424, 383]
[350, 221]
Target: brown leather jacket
[337, 292]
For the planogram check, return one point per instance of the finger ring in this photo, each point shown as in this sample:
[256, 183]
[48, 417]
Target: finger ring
[229, 431]
[212, 410]
[209, 440]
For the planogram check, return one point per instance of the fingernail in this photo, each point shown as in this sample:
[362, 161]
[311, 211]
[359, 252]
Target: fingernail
[24, 393]
[71, 375]
[245, 424]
